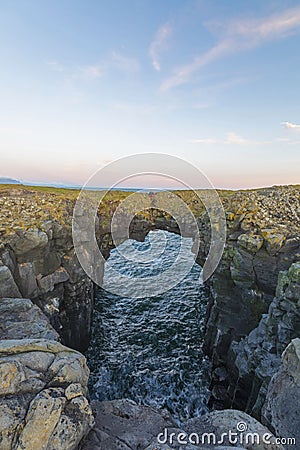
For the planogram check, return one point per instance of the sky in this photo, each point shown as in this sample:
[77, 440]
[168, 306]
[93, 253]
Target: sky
[83, 83]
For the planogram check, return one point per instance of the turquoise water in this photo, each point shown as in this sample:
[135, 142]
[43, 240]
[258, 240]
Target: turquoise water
[149, 349]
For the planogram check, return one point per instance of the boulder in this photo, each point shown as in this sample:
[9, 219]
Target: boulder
[273, 240]
[29, 365]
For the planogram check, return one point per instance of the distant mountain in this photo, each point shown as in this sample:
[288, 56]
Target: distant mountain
[5, 180]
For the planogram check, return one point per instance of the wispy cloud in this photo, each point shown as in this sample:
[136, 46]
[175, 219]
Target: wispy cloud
[125, 63]
[86, 72]
[56, 66]
[91, 72]
[202, 106]
[204, 141]
[237, 36]
[290, 126]
[231, 138]
[235, 139]
[159, 44]
[94, 71]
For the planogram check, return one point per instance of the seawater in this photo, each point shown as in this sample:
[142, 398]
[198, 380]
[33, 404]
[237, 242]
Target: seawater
[149, 349]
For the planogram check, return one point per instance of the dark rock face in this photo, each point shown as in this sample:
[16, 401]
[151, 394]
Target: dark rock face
[77, 304]
[281, 410]
[251, 362]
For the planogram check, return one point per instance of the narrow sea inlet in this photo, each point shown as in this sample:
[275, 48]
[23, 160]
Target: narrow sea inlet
[148, 349]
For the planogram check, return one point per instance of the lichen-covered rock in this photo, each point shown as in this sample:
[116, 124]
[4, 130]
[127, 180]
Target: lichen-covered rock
[241, 269]
[250, 242]
[273, 240]
[41, 419]
[23, 359]
[42, 396]
[263, 239]
[35, 236]
[43, 384]
[12, 414]
[281, 410]
[55, 422]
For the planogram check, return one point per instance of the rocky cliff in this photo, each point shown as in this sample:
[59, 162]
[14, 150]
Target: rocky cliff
[263, 239]
[37, 260]
[248, 323]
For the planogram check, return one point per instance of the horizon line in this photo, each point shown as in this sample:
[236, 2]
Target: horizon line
[15, 182]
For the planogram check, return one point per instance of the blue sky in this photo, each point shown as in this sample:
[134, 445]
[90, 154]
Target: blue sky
[85, 82]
